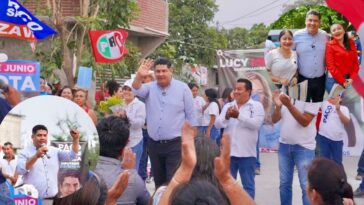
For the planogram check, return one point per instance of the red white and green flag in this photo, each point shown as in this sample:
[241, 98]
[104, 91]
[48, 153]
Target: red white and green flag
[108, 46]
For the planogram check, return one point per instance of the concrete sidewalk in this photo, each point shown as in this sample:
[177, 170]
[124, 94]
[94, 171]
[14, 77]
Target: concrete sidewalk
[267, 184]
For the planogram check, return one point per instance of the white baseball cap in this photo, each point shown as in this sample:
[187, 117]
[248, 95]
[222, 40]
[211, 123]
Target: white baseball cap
[128, 83]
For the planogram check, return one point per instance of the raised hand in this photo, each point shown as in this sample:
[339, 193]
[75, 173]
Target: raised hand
[222, 162]
[75, 134]
[285, 99]
[117, 188]
[188, 159]
[336, 101]
[276, 99]
[234, 112]
[42, 151]
[188, 146]
[293, 81]
[144, 67]
[129, 157]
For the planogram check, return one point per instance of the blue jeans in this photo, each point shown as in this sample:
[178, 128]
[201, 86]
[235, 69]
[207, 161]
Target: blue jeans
[214, 134]
[330, 149]
[290, 156]
[329, 83]
[361, 163]
[138, 150]
[258, 160]
[142, 171]
[361, 186]
[246, 168]
[5, 194]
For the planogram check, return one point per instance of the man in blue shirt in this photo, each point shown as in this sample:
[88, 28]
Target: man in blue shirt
[39, 164]
[169, 103]
[310, 45]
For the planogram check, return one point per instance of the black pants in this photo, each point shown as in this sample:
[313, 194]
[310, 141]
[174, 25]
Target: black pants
[164, 158]
[315, 88]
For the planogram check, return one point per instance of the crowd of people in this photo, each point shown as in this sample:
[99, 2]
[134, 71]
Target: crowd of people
[198, 145]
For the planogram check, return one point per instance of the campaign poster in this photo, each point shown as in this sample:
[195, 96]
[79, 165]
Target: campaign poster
[24, 76]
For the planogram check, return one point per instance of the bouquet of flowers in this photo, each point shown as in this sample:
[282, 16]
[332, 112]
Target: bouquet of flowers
[111, 105]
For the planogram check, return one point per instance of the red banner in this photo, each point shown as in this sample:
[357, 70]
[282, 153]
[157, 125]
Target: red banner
[108, 46]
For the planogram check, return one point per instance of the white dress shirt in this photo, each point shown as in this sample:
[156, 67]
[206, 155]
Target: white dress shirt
[243, 130]
[7, 167]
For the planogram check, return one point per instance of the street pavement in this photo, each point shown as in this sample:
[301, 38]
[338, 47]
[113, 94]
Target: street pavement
[267, 184]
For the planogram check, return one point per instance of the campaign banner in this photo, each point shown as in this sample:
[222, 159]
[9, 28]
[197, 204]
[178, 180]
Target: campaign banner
[84, 77]
[241, 60]
[17, 22]
[108, 46]
[24, 76]
[25, 194]
[67, 146]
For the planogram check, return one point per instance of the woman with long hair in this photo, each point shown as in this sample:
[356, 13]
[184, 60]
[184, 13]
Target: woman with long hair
[341, 58]
[210, 112]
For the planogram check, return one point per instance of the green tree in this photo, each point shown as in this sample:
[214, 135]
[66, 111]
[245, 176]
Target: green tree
[241, 38]
[257, 35]
[298, 3]
[191, 40]
[295, 18]
[237, 37]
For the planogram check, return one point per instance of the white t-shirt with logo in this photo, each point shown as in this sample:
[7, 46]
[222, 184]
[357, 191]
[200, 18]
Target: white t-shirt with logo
[331, 126]
[198, 103]
[293, 132]
[212, 109]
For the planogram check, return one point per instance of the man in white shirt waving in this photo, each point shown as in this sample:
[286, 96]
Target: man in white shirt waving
[242, 119]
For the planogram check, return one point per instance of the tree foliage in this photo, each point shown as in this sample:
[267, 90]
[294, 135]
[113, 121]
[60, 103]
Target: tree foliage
[295, 18]
[191, 40]
[242, 38]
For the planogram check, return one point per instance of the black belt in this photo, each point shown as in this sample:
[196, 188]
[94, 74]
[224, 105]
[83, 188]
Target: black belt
[166, 141]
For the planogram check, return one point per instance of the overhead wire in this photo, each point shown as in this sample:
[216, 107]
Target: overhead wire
[253, 13]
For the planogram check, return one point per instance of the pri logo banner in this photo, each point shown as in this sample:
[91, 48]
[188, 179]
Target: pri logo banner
[108, 46]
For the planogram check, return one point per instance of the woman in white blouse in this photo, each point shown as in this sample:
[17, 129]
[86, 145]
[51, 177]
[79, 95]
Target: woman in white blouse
[210, 113]
[136, 113]
[281, 62]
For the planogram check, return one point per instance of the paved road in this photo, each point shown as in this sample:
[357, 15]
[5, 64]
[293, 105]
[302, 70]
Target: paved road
[267, 184]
